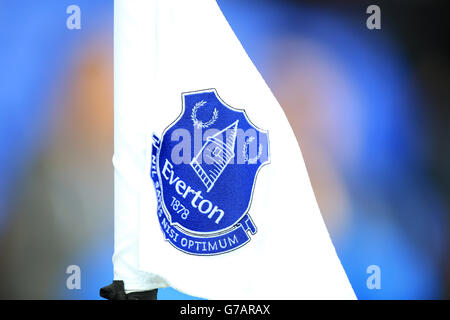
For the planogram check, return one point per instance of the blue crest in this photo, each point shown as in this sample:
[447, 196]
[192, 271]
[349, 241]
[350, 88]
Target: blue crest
[204, 170]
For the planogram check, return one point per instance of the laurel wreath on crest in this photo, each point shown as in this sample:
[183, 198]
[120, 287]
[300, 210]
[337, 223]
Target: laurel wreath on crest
[245, 149]
[198, 123]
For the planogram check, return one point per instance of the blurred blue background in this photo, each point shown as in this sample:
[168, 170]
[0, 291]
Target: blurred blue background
[369, 108]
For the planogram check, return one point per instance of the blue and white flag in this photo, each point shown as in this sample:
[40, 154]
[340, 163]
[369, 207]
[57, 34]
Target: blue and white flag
[212, 196]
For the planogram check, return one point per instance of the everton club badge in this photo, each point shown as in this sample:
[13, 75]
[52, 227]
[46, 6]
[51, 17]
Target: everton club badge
[204, 170]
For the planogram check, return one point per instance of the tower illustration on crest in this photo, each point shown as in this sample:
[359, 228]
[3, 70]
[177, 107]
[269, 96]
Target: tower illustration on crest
[216, 156]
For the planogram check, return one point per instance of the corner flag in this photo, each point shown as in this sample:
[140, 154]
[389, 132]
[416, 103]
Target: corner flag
[212, 196]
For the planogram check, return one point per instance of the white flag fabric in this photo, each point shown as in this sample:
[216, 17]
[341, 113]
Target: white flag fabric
[209, 199]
